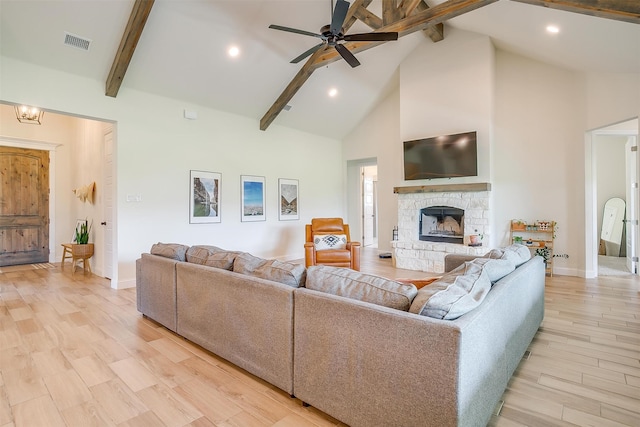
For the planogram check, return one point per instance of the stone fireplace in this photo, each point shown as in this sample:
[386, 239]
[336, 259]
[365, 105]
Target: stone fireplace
[435, 220]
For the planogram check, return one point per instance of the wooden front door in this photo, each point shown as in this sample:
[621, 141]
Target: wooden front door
[24, 206]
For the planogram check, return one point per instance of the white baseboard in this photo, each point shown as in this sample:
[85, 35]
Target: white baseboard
[124, 284]
[563, 271]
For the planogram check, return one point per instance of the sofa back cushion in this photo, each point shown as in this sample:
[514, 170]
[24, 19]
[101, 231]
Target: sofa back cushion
[454, 294]
[211, 256]
[519, 254]
[496, 268]
[364, 287]
[170, 250]
[286, 273]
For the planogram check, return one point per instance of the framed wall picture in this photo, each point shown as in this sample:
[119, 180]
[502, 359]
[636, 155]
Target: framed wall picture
[253, 198]
[288, 199]
[204, 197]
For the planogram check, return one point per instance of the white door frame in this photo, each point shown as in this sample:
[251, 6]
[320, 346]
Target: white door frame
[591, 215]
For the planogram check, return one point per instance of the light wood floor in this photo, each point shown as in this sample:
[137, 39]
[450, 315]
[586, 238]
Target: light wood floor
[75, 352]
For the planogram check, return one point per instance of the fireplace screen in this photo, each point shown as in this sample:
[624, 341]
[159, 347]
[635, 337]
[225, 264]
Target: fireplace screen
[441, 224]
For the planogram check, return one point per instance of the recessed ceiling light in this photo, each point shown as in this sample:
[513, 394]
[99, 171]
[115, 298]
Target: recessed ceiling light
[233, 51]
[333, 92]
[553, 29]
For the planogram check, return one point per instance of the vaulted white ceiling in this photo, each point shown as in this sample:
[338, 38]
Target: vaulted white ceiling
[183, 51]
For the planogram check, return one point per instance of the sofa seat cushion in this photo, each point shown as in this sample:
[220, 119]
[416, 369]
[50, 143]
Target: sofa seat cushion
[364, 287]
[286, 273]
[170, 250]
[519, 254]
[329, 256]
[454, 294]
[211, 256]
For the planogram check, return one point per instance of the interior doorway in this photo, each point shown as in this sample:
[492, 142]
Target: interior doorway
[369, 208]
[362, 201]
[612, 175]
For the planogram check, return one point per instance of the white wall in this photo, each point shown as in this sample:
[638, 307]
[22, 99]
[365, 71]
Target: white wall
[378, 136]
[531, 119]
[156, 149]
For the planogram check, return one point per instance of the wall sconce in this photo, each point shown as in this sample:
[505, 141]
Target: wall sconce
[29, 115]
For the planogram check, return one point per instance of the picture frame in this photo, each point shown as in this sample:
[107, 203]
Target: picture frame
[252, 198]
[204, 197]
[288, 194]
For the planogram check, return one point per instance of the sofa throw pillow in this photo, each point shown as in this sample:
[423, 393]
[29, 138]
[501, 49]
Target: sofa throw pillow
[364, 287]
[496, 268]
[211, 256]
[454, 294]
[287, 273]
[519, 254]
[330, 241]
[170, 250]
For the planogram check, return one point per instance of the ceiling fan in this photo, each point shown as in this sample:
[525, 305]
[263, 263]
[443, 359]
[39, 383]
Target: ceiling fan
[333, 33]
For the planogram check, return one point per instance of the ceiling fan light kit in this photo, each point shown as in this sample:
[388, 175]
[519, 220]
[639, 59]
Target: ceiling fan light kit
[333, 35]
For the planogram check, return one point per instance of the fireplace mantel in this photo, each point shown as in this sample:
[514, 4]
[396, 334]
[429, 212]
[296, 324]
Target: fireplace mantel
[443, 188]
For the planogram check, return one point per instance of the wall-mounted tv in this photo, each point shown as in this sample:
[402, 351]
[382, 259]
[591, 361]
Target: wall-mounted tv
[447, 156]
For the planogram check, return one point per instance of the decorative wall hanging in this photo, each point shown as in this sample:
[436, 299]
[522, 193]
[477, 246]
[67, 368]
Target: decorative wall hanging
[288, 199]
[85, 193]
[204, 197]
[252, 197]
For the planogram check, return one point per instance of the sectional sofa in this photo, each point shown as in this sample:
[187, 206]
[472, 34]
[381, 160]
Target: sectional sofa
[366, 350]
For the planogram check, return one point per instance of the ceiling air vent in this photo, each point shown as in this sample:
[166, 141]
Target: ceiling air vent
[76, 41]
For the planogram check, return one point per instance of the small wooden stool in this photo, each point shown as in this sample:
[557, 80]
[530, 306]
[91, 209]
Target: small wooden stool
[78, 253]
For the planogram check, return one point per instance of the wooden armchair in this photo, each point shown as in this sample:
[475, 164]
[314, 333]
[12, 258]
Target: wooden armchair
[328, 243]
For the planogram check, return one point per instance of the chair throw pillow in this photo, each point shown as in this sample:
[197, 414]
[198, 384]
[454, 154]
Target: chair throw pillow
[211, 256]
[287, 273]
[330, 241]
[170, 250]
[364, 287]
[454, 294]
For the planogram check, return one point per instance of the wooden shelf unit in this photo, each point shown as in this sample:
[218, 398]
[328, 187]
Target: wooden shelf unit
[537, 235]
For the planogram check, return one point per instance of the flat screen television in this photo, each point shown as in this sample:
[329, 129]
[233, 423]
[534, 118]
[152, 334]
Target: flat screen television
[447, 156]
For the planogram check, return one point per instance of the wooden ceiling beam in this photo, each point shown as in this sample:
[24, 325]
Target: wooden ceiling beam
[619, 10]
[434, 32]
[410, 24]
[372, 20]
[351, 17]
[132, 33]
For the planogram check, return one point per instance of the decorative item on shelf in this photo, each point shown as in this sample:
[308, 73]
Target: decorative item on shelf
[518, 225]
[517, 240]
[475, 239]
[543, 225]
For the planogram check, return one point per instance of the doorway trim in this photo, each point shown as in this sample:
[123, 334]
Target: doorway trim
[591, 227]
[354, 190]
[51, 148]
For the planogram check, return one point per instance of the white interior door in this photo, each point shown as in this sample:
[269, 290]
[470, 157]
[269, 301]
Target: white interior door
[107, 223]
[632, 204]
[369, 174]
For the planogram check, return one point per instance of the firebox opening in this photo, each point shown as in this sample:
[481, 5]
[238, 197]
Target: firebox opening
[441, 224]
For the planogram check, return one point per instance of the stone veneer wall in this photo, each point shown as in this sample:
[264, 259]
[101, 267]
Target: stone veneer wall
[410, 253]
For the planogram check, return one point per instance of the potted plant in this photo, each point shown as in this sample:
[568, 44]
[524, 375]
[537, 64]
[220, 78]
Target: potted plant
[82, 248]
[518, 225]
[545, 253]
[476, 239]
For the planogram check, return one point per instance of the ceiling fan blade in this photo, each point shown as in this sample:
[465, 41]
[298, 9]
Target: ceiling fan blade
[294, 30]
[371, 37]
[307, 53]
[339, 14]
[347, 56]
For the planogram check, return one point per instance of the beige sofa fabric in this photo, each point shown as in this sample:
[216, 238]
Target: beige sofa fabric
[170, 250]
[246, 320]
[282, 272]
[360, 286]
[156, 289]
[212, 256]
